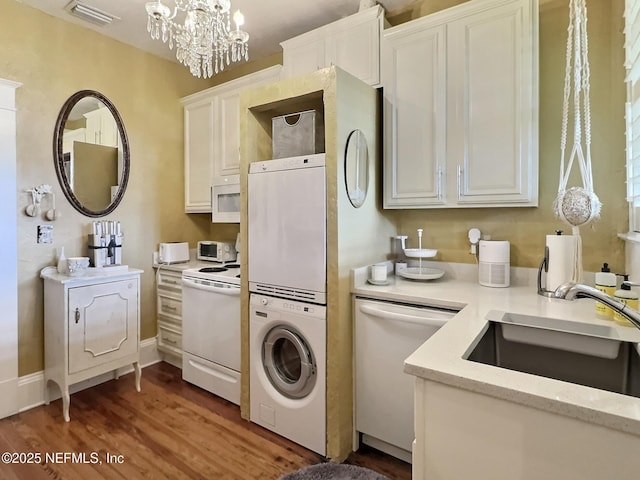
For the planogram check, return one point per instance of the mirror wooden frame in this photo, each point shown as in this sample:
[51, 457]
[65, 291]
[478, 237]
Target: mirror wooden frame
[58, 153]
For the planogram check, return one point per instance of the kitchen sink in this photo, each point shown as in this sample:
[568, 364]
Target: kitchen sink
[582, 353]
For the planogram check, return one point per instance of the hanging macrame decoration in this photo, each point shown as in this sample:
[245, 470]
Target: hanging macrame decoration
[577, 205]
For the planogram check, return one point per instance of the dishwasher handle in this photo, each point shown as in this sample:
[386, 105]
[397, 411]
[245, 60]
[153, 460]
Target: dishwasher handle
[401, 317]
[234, 291]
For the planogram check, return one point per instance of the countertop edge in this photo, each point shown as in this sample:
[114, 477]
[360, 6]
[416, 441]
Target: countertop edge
[63, 278]
[528, 399]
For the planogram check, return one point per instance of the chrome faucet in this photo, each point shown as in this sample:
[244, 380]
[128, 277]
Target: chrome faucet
[571, 291]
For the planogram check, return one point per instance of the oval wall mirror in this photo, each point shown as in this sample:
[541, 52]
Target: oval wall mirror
[356, 167]
[91, 153]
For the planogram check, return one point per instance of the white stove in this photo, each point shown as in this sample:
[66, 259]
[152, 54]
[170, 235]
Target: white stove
[228, 273]
[211, 329]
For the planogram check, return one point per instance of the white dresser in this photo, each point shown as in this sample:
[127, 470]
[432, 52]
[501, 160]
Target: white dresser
[91, 327]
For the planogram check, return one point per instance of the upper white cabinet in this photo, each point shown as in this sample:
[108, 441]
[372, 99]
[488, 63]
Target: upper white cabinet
[101, 128]
[212, 135]
[352, 43]
[461, 102]
[198, 154]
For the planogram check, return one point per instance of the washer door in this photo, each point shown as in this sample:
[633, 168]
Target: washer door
[288, 362]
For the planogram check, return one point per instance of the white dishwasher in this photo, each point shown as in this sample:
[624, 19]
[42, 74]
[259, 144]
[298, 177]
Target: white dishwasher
[386, 333]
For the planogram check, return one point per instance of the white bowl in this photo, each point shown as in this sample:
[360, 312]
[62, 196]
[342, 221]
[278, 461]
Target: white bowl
[420, 252]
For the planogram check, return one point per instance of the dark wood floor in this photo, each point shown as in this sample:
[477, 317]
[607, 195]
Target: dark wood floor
[170, 430]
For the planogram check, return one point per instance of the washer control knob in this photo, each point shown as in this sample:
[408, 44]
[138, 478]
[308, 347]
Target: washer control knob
[264, 301]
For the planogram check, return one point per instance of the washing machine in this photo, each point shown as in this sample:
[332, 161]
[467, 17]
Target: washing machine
[287, 374]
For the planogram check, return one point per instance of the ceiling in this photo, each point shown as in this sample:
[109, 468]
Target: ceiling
[267, 22]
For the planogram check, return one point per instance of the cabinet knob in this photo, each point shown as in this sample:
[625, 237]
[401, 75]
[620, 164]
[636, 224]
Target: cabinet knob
[77, 315]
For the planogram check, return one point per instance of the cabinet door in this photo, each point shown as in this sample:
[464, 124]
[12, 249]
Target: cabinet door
[103, 323]
[303, 54]
[227, 134]
[198, 155]
[491, 106]
[109, 135]
[92, 127]
[414, 79]
[101, 128]
[355, 48]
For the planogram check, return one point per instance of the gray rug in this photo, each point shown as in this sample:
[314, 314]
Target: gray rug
[334, 471]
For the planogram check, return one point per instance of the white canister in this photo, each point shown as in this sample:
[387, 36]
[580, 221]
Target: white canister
[379, 272]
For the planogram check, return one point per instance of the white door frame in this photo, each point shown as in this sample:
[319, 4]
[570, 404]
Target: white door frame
[9, 403]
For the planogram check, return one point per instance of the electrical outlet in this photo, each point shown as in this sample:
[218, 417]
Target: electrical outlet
[45, 233]
[474, 238]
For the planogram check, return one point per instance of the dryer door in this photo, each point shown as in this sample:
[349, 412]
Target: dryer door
[289, 362]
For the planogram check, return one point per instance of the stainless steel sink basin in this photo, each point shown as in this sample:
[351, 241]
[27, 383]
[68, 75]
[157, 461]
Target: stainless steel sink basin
[576, 352]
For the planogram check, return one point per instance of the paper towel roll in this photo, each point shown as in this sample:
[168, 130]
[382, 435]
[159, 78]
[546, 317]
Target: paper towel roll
[565, 260]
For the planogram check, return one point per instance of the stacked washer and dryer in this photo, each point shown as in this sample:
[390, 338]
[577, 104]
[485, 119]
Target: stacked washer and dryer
[287, 284]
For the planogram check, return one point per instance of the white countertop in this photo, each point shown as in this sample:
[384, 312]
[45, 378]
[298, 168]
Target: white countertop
[180, 267]
[90, 275]
[441, 358]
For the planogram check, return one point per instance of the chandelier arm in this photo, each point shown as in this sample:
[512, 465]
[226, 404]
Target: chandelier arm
[173, 15]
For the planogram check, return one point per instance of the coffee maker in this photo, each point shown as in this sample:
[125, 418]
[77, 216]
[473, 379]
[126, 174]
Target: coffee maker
[105, 244]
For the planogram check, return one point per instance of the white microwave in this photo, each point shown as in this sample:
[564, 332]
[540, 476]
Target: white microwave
[212, 251]
[225, 199]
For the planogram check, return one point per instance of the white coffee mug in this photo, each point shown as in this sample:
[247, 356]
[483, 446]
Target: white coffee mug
[379, 272]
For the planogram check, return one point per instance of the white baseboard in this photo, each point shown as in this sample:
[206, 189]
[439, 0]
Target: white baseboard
[31, 387]
[9, 400]
[172, 359]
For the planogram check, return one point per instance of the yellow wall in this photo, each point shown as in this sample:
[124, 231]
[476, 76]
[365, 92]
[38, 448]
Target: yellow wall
[53, 59]
[526, 228]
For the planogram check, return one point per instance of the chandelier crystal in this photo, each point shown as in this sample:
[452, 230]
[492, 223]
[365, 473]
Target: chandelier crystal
[204, 40]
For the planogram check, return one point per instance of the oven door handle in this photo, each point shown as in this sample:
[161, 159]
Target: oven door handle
[234, 291]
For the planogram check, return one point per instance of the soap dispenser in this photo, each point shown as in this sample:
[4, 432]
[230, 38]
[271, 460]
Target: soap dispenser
[629, 298]
[605, 282]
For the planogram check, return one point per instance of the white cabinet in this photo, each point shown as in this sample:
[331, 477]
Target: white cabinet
[212, 135]
[169, 308]
[92, 326]
[101, 128]
[198, 155]
[461, 101]
[352, 43]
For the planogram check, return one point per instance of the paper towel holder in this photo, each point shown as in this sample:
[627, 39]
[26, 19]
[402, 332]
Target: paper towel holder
[544, 265]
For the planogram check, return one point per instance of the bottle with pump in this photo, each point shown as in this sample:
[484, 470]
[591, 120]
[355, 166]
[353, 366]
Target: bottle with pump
[605, 282]
[628, 297]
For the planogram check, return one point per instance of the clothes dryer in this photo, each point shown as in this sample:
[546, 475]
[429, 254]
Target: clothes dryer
[287, 342]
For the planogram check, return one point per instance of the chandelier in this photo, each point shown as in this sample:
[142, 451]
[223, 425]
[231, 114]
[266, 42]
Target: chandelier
[204, 41]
